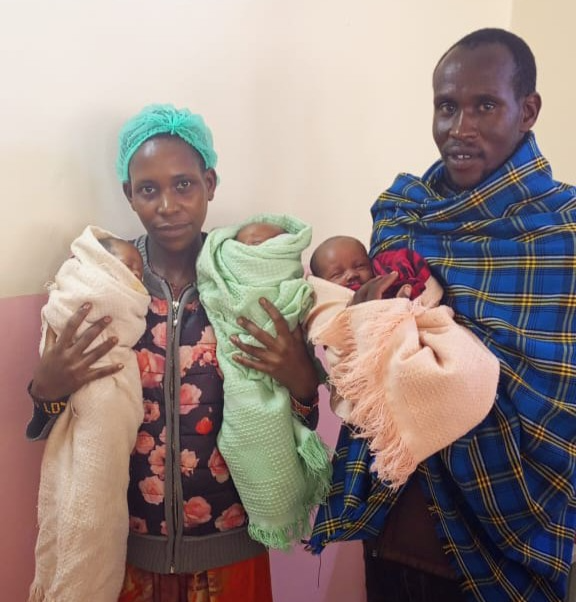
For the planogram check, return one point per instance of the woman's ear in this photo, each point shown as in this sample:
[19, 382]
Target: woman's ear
[211, 180]
[127, 188]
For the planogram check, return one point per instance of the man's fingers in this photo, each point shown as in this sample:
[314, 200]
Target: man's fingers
[405, 292]
[384, 283]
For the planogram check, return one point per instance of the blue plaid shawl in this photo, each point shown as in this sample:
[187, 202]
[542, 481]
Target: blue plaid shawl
[504, 494]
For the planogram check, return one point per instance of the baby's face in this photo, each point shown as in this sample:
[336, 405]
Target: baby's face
[129, 256]
[256, 234]
[344, 262]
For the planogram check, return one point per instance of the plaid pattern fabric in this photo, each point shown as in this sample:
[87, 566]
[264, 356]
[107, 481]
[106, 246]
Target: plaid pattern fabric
[505, 254]
[358, 502]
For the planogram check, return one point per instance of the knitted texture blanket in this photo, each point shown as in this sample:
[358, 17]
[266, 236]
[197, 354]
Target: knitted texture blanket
[505, 254]
[415, 379]
[82, 509]
[280, 467]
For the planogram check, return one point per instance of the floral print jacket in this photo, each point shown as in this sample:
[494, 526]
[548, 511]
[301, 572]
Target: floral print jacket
[185, 513]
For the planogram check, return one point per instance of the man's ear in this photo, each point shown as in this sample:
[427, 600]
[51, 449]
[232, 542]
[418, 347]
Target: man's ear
[532, 106]
[211, 180]
[127, 188]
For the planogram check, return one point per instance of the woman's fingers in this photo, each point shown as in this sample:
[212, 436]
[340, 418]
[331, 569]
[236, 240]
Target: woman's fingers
[66, 365]
[90, 357]
[90, 335]
[68, 335]
[50, 339]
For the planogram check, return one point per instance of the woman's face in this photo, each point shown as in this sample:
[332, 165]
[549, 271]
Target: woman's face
[169, 190]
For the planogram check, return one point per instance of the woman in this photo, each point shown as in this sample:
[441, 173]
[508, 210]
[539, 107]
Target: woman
[188, 539]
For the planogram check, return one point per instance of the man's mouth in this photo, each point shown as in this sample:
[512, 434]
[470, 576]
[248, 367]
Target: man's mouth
[457, 155]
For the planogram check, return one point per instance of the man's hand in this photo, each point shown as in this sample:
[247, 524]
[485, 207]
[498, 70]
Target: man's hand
[377, 287]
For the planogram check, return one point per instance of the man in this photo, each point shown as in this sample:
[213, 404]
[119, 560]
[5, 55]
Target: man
[498, 232]
[491, 517]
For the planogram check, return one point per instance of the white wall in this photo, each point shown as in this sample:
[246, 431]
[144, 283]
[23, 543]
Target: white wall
[314, 104]
[550, 31]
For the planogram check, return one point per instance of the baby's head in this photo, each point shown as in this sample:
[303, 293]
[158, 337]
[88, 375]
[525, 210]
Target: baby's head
[257, 233]
[342, 260]
[126, 252]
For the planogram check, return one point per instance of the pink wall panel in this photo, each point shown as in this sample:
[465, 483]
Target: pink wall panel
[20, 328]
[297, 576]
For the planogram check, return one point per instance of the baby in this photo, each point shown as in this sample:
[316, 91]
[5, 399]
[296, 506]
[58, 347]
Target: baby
[88, 449]
[280, 467]
[386, 354]
[258, 232]
[126, 252]
[344, 260]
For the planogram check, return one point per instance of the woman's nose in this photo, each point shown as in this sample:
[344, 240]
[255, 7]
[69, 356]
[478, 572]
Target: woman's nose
[167, 203]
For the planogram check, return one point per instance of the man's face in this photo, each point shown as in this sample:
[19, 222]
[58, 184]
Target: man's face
[478, 121]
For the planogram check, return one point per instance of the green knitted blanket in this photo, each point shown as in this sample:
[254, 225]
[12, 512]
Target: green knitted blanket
[280, 467]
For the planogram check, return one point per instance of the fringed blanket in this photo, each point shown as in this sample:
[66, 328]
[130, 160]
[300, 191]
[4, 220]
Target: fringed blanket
[280, 468]
[415, 380]
[505, 254]
[82, 509]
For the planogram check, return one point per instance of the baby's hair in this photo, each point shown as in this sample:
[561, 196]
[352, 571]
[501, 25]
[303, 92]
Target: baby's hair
[108, 243]
[314, 268]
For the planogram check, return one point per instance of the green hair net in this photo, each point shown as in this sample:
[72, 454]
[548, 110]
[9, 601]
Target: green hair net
[163, 119]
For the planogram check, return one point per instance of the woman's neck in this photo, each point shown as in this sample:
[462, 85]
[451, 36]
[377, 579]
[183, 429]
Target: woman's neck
[178, 268]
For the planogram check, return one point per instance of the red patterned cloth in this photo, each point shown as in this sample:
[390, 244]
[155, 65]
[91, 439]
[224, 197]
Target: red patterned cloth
[411, 267]
[247, 581]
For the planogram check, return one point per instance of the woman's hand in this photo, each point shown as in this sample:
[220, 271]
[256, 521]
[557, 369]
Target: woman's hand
[284, 357]
[377, 286]
[65, 365]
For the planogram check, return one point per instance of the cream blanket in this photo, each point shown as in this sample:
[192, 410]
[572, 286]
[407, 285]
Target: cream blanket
[82, 509]
[411, 379]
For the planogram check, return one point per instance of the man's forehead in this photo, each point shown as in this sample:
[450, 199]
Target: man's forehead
[486, 65]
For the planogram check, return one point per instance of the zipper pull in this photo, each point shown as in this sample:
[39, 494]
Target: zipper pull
[175, 306]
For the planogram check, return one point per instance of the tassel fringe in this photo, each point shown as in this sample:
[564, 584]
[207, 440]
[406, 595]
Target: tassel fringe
[317, 468]
[360, 379]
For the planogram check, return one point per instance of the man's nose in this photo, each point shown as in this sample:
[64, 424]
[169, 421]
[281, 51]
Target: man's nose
[463, 125]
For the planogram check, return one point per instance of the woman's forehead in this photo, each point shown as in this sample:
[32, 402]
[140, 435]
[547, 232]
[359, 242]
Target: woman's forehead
[165, 155]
